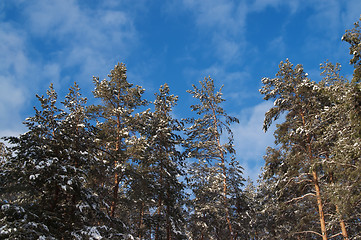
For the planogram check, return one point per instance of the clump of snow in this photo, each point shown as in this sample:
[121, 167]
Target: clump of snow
[5, 207]
[34, 176]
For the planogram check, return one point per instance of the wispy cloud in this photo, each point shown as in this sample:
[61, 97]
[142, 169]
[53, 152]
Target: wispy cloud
[14, 65]
[90, 38]
[250, 139]
[260, 5]
[79, 42]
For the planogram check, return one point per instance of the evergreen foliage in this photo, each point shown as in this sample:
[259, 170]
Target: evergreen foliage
[115, 170]
[46, 176]
[315, 167]
[215, 179]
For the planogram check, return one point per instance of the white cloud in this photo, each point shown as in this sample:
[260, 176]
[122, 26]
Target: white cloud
[14, 65]
[224, 15]
[12, 99]
[79, 37]
[277, 45]
[221, 24]
[79, 42]
[250, 139]
[260, 5]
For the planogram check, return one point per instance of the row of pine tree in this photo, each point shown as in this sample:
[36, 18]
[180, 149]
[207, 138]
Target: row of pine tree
[126, 168]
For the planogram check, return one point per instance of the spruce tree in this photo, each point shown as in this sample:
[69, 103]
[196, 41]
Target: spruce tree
[47, 175]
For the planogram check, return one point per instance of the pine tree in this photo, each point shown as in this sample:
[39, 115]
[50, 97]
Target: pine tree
[166, 164]
[47, 175]
[216, 195]
[353, 37]
[115, 124]
[349, 147]
[299, 163]
[342, 160]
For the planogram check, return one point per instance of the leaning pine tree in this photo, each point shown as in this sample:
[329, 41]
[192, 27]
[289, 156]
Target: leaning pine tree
[297, 167]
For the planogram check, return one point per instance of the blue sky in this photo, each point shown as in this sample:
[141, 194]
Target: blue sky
[178, 42]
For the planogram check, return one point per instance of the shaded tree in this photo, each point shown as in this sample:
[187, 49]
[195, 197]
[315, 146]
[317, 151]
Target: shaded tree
[47, 175]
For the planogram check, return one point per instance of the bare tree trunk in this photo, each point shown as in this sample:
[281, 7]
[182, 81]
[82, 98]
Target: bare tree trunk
[115, 195]
[316, 185]
[116, 177]
[169, 236]
[320, 206]
[160, 200]
[342, 223]
[55, 197]
[225, 200]
[168, 227]
[141, 215]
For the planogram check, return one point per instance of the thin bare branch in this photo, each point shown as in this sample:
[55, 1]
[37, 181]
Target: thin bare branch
[299, 198]
[313, 232]
[338, 234]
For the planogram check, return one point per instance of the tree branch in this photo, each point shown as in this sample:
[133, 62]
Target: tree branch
[319, 234]
[335, 235]
[299, 198]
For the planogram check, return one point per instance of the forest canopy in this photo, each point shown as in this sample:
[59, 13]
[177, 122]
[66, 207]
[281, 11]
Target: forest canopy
[127, 168]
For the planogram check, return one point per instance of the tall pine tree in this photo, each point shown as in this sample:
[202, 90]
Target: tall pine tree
[217, 194]
[297, 165]
[115, 124]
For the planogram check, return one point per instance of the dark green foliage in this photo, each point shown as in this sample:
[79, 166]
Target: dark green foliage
[155, 192]
[294, 169]
[343, 154]
[318, 145]
[117, 171]
[46, 176]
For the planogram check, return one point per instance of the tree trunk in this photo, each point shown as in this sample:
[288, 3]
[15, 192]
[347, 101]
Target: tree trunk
[160, 200]
[226, 200]
[141, 215]
[342, 223]
[116, 177]
[168, 220]
[316, 185]
[115, 195]
[224, 175]
[319, 204]
[55, 197]
[168, 228]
